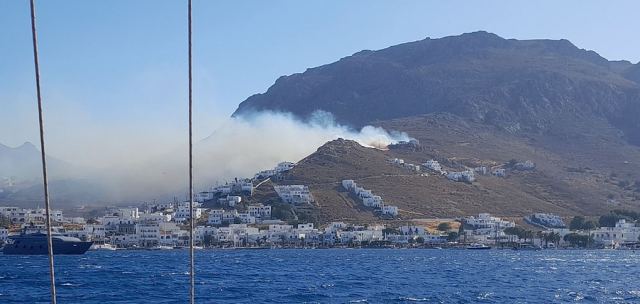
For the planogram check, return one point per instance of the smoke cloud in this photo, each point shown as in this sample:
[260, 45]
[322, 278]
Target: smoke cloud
[245, 145]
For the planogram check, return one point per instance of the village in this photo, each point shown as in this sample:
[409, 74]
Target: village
[223, 219]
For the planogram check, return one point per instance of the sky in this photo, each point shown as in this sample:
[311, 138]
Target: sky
[114, 73]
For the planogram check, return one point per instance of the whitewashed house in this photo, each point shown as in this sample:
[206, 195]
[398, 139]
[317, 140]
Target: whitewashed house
[260, 211]
[374, 201]
[4, 235]
[432, 165]
[294, 194]
[464, 176]
[348, 184]
[622, 233]
[499, 172]
[390, 210]
[215, 217]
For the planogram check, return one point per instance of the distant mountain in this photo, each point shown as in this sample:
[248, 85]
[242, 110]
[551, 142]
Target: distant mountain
[24, 163]
[517, 85]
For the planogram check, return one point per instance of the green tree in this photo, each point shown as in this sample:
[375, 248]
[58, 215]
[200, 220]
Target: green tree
[5, 222]
[444, 226]
[578, 240]
[576, 223]
[452, 236]
[420, 240]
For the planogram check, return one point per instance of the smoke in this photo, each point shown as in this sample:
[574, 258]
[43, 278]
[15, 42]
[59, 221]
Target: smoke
[247, 144]
[129, 169]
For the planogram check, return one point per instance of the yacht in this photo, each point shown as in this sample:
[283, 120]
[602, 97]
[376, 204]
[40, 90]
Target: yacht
[36, 244]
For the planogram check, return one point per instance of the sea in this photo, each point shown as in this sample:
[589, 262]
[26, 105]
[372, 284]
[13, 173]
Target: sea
[329, 276]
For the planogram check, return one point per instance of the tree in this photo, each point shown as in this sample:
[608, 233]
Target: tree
[420, 240]
[444, 226]
[452, 236]
[5, 222]
[576, 223]
[578, 240]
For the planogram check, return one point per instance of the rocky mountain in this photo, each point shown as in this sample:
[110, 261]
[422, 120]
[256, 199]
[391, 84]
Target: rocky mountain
[474, 100]
[516, 85]
[24, 163]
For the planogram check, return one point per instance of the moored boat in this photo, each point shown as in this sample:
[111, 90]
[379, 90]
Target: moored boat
[476, 246]
[36, 244]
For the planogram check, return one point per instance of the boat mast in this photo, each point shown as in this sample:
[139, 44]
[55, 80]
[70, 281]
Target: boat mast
[52, 277]
[192, 289]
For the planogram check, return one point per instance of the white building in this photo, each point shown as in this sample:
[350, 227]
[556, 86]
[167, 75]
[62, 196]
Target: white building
[464, 176]
[390, 210]
[348, 184]
[294, 194]
[4, 235]
[622, 233]
[215, 217]
[545, 220]
[499, 172]
[433, 165]
[284, 166]
[486, 226]
[260, 211]
[182, 212]
[374, 201]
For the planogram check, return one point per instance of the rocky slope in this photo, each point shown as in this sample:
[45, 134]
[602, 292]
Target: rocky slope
[517, 85]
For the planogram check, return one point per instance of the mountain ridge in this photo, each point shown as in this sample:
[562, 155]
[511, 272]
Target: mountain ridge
[513, 84]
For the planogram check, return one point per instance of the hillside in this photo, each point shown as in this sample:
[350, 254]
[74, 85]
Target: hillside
[475, 99]
[563, 190]
[516, 85]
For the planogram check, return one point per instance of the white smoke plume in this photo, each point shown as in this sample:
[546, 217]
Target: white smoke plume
[245, 145]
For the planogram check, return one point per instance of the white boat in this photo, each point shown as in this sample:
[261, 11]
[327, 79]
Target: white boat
[477, 246]
[160, 247]
[103, 247]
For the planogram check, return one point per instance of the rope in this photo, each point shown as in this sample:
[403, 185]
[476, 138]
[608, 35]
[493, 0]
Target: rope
[52, 276]
[192, 292]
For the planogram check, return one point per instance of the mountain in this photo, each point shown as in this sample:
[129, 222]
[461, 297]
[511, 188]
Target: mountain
[517, 85]
[473, 100]
[24, 163]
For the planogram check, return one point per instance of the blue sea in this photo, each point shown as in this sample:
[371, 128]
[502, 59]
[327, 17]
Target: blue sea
[329, 276]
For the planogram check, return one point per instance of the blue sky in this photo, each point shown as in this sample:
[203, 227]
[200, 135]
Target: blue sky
[115, 71]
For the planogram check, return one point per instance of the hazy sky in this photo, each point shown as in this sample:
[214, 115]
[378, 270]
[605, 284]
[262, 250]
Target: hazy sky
[114, 72]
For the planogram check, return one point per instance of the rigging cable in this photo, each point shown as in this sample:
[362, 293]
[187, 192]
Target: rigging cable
[52, 277]
[192, 289]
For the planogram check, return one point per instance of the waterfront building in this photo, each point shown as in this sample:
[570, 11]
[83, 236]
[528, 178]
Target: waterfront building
[622, 233]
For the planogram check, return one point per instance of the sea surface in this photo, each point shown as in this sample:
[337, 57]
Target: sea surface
[329, 276]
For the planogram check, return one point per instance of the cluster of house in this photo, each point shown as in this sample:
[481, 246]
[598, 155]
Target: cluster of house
[235, 188]
[401, 163]
[545, 220]
[485, 228]
[525, 166]
[294, 194]
[275, 172]
[368, 199]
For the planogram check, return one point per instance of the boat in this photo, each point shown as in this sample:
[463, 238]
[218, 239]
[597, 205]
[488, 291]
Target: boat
[161, 247]
[527, 247]
[36, 244]
[103, 247]
[477, 246]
